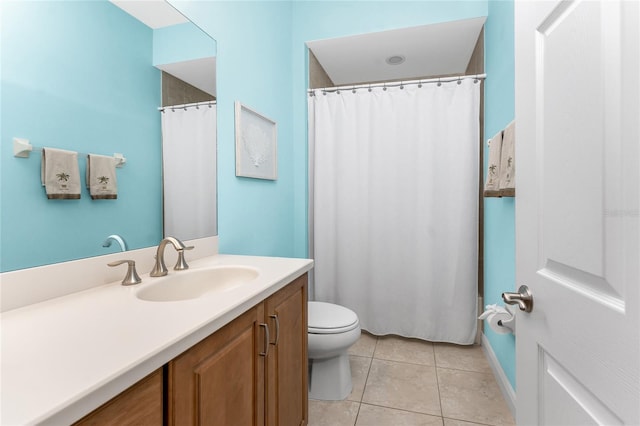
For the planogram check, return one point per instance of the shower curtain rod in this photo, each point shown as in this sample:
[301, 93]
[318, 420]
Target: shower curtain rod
[185, 106]
[399, 83]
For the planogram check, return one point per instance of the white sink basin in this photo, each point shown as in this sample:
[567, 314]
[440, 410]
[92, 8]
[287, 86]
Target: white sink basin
[191, 284]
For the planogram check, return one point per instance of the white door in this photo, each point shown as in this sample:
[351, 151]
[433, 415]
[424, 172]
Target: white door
[577, 211]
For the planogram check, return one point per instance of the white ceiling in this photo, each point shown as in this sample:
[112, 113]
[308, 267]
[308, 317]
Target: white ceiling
[200, 73]
[430, 50]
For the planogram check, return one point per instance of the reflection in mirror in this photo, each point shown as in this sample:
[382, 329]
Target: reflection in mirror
[85, 76]
[188, 131]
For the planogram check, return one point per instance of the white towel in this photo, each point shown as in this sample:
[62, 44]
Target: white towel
[60, 174]
[492, 182]
[101, 177]
[508, 162]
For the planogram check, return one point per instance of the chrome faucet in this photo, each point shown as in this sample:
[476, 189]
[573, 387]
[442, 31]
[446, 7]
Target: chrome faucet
[132, 276]
[160, 269]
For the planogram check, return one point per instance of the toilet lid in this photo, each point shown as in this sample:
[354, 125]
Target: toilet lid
[327, 318]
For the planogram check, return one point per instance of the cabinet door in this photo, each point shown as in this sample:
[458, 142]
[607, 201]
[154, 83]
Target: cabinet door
[287, 392]
[220, 381]
[141, 404]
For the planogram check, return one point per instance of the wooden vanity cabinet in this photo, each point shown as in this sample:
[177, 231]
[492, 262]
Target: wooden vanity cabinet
[253, 371]
[141, 404]
[287, 365]
[220, 381]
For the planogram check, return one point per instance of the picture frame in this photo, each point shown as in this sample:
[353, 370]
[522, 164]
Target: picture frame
[256, 144]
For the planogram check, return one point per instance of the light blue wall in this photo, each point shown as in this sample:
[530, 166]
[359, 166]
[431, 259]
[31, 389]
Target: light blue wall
[499, 213]
[69, 81]
[254, 67]
[181, 42]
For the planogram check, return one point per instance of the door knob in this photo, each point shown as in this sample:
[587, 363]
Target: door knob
[523, 298]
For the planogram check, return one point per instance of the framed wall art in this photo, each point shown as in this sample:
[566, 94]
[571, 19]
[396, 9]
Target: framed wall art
[256, 144]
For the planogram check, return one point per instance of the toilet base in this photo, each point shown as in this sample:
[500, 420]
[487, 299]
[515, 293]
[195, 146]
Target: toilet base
[330, 378]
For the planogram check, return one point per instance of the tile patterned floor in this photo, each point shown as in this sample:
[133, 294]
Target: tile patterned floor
[407, 382]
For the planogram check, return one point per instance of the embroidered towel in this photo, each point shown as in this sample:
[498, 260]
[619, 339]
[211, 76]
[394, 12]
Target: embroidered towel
[492, 183]
[101, 177]
[508, 162]
[60, 174]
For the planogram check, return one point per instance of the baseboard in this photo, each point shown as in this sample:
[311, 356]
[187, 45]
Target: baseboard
[504, 384]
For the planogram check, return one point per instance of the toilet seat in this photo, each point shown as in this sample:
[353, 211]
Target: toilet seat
[327, 318]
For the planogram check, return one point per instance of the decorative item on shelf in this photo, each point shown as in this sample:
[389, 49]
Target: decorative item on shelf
[507, 162]
[256, 144]
[500, 180]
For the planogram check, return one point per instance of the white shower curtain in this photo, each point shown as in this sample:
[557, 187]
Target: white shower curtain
[189, 171]
[395, 207]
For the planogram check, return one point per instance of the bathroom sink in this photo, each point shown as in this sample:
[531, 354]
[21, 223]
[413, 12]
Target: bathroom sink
[191, 284]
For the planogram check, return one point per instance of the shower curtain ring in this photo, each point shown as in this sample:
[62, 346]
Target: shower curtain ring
[459, 80]
[439, 83]
[353, 90]
[420, 84]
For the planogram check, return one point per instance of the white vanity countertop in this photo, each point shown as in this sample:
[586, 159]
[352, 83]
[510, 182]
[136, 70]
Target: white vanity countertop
[64, 357]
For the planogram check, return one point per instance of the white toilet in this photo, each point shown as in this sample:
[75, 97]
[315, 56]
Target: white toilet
[332, 330]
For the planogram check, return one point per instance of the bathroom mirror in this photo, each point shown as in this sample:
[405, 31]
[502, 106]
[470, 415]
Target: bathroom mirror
[86, 77]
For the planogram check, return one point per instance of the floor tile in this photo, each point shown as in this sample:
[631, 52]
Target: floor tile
[332, 413]
[394, 348]
[473, 397]
[371, 415]
[359, 372]
[405, 386]
[469, 358]
[365, 345]
[453, 422]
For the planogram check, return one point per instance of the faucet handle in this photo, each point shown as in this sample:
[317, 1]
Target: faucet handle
[181, 264]
[132, 276]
